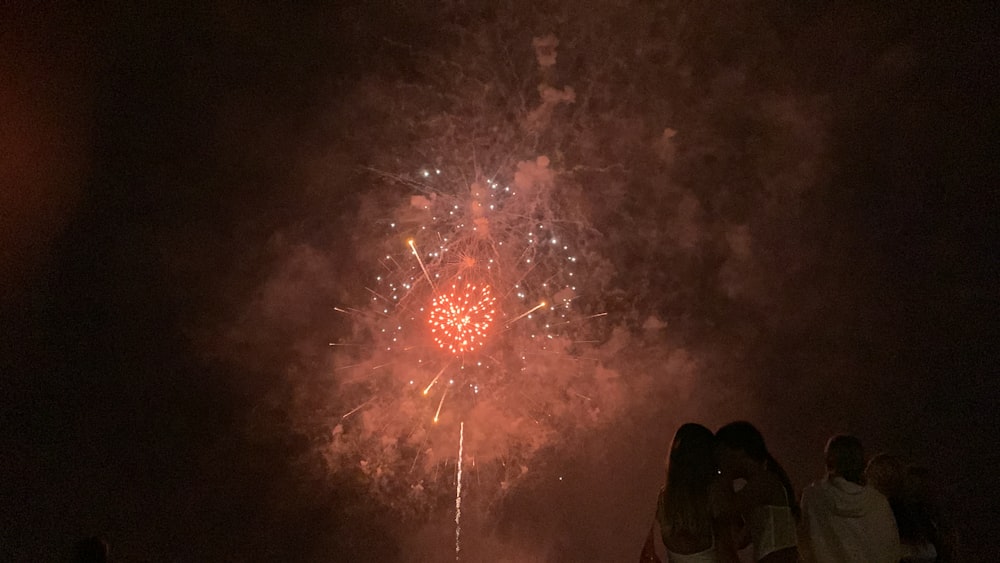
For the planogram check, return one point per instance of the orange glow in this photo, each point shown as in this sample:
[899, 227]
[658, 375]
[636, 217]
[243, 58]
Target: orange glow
[460, 320]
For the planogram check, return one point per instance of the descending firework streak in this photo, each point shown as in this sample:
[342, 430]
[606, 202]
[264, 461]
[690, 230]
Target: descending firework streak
[458, 493]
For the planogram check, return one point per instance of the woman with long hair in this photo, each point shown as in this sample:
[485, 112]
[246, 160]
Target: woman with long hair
[767, 500]
[691, 513]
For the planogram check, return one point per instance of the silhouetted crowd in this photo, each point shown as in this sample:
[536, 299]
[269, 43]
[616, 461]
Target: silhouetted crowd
[726, 499]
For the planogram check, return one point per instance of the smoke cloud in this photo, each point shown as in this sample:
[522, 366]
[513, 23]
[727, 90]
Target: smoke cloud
[757, 216]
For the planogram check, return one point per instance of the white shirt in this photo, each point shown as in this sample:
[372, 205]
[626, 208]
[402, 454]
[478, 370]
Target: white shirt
[844, 522]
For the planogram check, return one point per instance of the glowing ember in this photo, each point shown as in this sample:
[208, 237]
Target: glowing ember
[460, 320]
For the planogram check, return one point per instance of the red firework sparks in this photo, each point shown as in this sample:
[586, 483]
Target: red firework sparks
[460, 320]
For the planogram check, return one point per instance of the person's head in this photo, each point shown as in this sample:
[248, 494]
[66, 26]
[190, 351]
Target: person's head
[741, 448]
[845, 458]
[885, 473]
[693, 446]
[690, 470]
[743, 453]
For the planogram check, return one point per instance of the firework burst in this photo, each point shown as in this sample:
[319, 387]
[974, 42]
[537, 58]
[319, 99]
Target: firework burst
[461, 318]
[477, 281]
[476, 319]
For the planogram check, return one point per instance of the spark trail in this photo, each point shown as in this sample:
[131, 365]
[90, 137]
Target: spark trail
[413, 247]
[526, 313]
[437, 414]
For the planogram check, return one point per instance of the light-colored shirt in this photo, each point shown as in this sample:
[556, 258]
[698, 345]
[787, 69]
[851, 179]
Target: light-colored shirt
[844, 522]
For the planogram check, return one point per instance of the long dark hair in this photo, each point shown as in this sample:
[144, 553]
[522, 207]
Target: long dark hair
[691, 468]
[742, 435]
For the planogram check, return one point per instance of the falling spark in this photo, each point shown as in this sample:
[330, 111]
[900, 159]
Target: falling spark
[433, 381]
[438, 413]
[526, 313]
[458, 493]
[356, 409]
[413, 247]
[581, 320]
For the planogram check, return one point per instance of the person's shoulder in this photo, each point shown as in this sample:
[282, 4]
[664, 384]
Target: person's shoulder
[878, 499]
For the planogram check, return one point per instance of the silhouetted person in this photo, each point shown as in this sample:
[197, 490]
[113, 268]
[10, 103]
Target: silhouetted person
[91, 550]
[887, 474]
[692, 514]
[844, 521]
[920, 521]
[767, 502]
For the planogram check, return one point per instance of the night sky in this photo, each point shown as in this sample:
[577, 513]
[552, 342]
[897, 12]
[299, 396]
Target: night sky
[184, 192]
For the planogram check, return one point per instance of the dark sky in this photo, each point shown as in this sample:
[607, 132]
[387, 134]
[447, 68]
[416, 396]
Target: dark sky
[149, 157]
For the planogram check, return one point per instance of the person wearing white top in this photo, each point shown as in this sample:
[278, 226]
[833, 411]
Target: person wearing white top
[692, 517]
[767, 500]
[844, 521]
